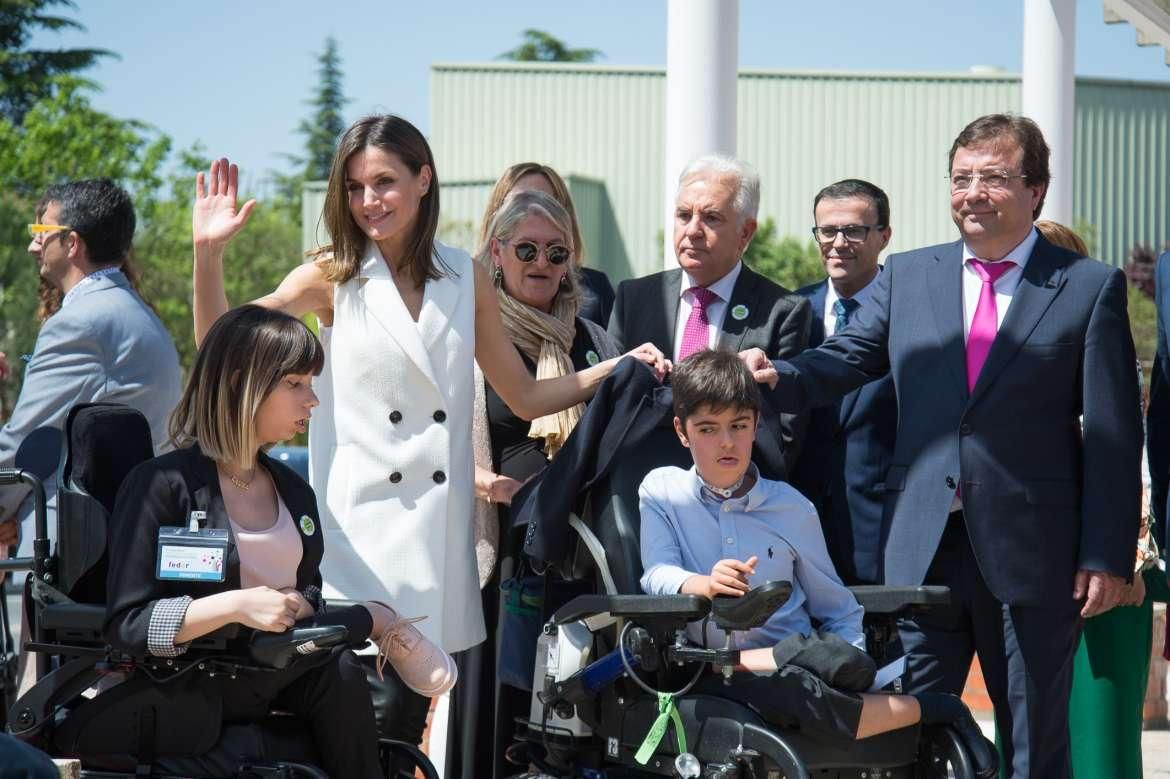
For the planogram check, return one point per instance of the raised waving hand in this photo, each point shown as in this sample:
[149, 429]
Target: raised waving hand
[216, 216]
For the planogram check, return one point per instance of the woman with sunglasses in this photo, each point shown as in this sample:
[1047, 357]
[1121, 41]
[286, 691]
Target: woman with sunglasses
[530, 253]
[402, 319]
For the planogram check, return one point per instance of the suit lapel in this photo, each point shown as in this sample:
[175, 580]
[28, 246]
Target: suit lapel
[440, 297]
[209, 498]
[671, 287]
[817, 300]
[1042, 279]
[744, 293]
[945, 285]
[377, 290]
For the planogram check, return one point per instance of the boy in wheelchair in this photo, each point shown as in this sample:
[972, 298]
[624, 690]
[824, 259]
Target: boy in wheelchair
[214, 536]
[722, 518]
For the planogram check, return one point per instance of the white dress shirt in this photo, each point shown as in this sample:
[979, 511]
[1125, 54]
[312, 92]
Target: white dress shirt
[862, 297]
[716, 309]
[1005, 286]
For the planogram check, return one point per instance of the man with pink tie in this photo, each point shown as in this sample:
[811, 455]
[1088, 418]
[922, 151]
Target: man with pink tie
[713, 299]
[1014, 479]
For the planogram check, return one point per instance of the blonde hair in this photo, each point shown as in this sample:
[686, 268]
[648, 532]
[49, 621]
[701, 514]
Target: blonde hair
[1062, 236]
[245, 354]
[504, 186]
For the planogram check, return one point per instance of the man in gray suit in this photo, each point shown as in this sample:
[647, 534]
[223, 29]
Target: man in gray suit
[104, 344]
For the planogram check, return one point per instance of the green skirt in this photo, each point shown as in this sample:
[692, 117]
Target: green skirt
[1108, 692]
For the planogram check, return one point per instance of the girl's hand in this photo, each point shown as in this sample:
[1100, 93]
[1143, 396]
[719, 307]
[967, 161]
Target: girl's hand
[263, 608]
[215, 218]
[651, 355]
[304, 608]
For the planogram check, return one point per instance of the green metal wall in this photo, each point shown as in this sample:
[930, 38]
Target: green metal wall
[604, 127]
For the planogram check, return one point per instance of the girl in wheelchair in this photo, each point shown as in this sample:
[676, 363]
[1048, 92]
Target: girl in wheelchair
[215, 533]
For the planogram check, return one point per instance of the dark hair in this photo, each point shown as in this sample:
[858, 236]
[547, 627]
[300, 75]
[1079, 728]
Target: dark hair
[244, 355]
[847, 188]
[394, 135]
[1026, 133]
[100, 212]
[714, 378]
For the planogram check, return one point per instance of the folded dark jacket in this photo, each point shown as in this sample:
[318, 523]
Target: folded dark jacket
[837, 662]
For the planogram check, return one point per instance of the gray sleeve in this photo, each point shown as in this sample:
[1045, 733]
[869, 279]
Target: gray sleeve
[66, 368]
[165, 620]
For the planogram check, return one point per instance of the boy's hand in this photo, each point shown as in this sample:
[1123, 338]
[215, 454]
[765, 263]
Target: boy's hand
[730, 577]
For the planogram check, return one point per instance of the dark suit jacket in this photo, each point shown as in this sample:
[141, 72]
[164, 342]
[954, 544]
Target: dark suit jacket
[846, 453]
[1158, 411]
[646, 310]
[596, 296]
[164, 491]
[1041, 497]
[618, 431]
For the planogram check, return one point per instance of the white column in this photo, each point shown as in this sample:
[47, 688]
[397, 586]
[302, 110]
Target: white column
[702, 57]
[1047, 92]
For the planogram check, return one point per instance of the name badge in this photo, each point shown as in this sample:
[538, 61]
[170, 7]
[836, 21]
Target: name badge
[191, 555]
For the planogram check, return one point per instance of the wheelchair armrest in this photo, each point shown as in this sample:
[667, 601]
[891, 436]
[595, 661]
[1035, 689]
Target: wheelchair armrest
[73, 616]
[277, 650]
[656, 609]
[881, 599]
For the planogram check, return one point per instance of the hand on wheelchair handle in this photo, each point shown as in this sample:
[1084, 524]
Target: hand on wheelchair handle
[263, 608]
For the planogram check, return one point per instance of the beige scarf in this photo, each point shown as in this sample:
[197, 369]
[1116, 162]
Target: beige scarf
[546, 339]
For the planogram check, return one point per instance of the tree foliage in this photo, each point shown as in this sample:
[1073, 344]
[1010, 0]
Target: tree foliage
[321, 129]
[787, 261]
[27, 75]
[539, 46]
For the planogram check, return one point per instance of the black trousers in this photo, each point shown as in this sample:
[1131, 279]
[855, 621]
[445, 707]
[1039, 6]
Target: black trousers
[814, 689]
[1026, 653]
[331, 696]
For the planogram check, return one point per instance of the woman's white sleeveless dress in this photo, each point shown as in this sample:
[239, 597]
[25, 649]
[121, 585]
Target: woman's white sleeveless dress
[390, 449]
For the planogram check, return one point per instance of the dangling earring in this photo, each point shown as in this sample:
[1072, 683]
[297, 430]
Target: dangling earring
[565, 285]
[497, 274]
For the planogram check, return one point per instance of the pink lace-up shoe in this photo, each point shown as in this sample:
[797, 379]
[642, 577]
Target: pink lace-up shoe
[422, 666]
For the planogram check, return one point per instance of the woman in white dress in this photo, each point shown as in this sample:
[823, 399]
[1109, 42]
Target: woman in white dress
[402, 317]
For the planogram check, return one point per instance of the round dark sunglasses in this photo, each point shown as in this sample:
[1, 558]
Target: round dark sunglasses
[526, 251]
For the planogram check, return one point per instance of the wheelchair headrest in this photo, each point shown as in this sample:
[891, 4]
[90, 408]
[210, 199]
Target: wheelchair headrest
[103, 442]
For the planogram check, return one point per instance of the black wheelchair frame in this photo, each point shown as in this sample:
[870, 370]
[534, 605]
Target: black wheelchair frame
[578, 728]
[72, 657]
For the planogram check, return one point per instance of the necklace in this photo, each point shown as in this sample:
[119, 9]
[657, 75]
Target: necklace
[243, 486]
[723, 492]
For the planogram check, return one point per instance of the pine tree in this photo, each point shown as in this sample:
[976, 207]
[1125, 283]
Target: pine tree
[539, 46]
[327, 123]
[27, 75]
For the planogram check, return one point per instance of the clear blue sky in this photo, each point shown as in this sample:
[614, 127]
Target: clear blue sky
[234, 74]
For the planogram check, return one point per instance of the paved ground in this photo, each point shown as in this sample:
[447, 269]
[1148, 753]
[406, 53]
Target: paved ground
[1155, 750]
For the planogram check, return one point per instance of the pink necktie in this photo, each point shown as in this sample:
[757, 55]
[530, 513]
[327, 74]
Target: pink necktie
[696, 335]
[986, 321]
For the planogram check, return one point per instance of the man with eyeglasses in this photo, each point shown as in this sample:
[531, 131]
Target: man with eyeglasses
[849, 444]
[998, 344]
[712, 299]
[103, 344]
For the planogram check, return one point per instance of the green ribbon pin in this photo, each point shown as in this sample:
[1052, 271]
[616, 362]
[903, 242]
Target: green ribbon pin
[667, 712]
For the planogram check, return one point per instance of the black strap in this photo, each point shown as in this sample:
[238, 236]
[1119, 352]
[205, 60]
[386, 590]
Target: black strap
[147, 731]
